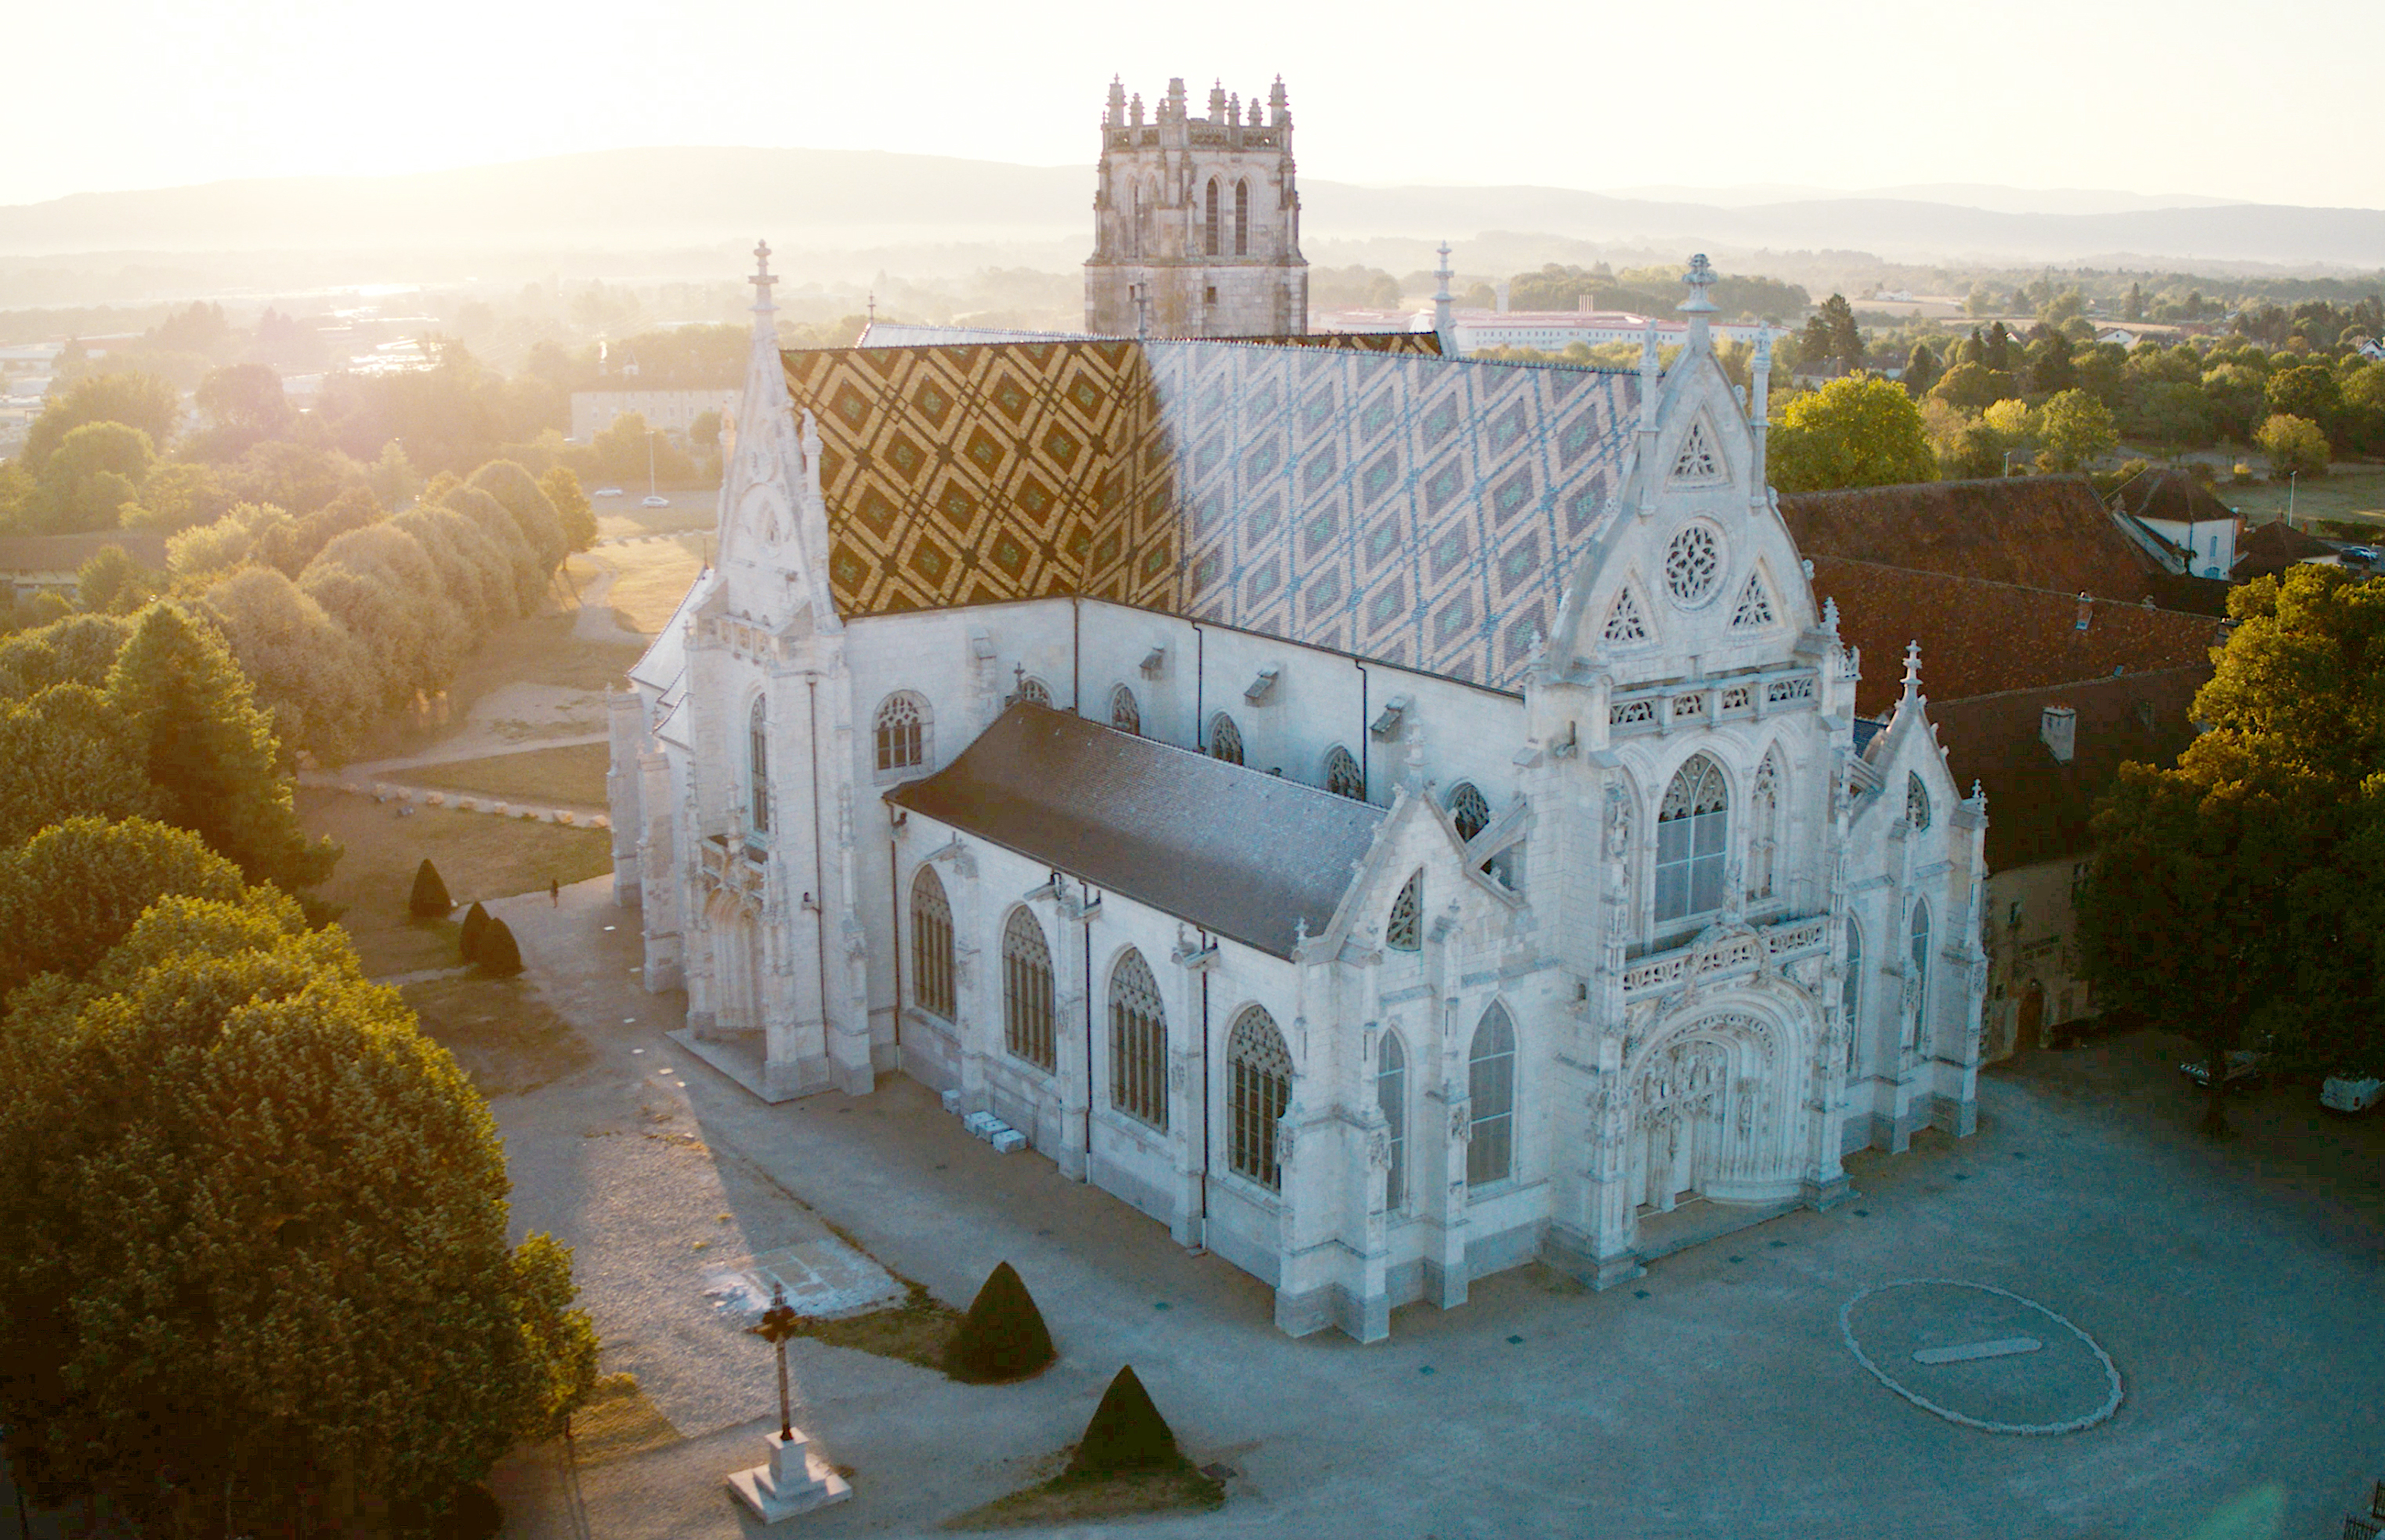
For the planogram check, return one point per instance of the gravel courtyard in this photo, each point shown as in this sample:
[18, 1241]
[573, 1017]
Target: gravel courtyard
[2234, 1289]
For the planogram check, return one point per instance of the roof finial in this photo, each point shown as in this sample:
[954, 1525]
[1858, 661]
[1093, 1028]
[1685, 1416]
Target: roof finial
[763, 279]
[1912, 671]
[1443, 319]
[1700, 305]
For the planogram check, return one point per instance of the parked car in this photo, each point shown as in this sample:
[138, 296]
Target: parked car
[2345, 1093]
[656, 502]
[606, 491]
[2363, 555]
[2243, 1064]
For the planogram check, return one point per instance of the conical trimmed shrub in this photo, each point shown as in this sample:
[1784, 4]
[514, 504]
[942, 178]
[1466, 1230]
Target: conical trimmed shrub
[430, 899]
[476, 928]
[1127, 1433]
[496, 953]
[1003, 1337]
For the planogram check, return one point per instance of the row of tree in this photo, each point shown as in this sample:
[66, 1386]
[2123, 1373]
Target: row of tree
[254, 1266]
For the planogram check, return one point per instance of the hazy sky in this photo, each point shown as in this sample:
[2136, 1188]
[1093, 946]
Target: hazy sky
[2268, 103]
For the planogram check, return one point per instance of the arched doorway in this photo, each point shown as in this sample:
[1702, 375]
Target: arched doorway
[737, 967]
[1714, 1113]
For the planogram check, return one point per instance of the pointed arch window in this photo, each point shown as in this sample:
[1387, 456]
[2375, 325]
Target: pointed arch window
[1626, 626]
[1916, 802]
[1469, 808]
[1241, 219]
[1138, 1042]
[1851, 993]
[901, 733]
[1034, 691]
[1754, 610]
[1027, 991]
[1403, 931]
[1692, 832]
[1491, 1093]
[1392, 1096]
[1258, 1068]
[1342, 777]
[932, 945]
[1920, 957]
[1764, 830]
[1126, 714]
[1212, 242]
[1225, 739]
[757, 764]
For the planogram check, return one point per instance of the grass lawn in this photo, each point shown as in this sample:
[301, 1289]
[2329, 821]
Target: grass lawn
[506, 1038]
[540, 650]
[2353, 493]
[649, 577]
[479, 856]
[1067, 1500]
[573, 775]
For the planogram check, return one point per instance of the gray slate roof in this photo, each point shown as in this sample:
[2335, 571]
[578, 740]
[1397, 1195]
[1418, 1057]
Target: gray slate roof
[1239, 852]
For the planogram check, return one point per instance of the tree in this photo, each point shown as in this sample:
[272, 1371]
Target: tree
[95, 471]
[2050, 366]
[428, 900]
[2294, 445]
[64, 753]
[1002, 1337]
[1973, 386]
[1921, 369]
[2072, 428]
[244, 406]
[2309, 391]
[1995, 352]
[2233, 894]
[303, 670]
[74, 889]
[496, 955]
[210, 751]
[177, 496]
[73, 650]
[1863, 431]
[1127, 1433]
[113, 583]
[571, 505]
[138, 400]
[2133, 308]
[476, 926]
[244, 1200]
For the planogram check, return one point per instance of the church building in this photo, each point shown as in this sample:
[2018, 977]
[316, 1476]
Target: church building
[1385, 817]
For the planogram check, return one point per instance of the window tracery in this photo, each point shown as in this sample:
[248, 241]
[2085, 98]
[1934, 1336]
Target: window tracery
[1138, 1042]
[1260, 1067]
[1392, 1096]
[1342, 777]
[1697, 459]
[901, 733]
[1754, 605]
[1490, 1098]
[1027, 991]
[758, 765]
[1126, 715]
[1692, 830]
[1225, 739]
[1916, 802]
[932, 945]
[1625, 625]
[1403, 930]
[1693, 565]
[1469, 808]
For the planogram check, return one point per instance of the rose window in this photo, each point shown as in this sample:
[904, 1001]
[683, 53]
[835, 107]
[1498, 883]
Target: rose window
[1693, 565]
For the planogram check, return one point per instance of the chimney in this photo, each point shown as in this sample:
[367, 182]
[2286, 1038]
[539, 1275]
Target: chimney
[2059, 727]
[2086, 610]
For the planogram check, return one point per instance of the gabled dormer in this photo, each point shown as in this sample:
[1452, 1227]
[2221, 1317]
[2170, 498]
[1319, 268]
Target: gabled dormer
[1693, 561]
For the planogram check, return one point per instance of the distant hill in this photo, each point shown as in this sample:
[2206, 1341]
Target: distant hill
[654, 199]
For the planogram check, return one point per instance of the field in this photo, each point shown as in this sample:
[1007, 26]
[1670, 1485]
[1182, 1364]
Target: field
[2353, 493]
[572, 775]
[650, 576]
[477, 856]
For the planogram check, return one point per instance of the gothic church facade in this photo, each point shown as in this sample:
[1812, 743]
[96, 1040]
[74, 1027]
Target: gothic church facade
[1385, 817]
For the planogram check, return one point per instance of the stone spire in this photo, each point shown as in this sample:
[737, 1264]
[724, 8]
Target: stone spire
[766, 313]
[1443, 321]
[1699, 307]
[1912, 673]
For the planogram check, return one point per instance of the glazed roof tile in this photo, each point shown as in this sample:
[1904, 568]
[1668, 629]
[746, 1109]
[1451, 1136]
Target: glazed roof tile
[1235, 852]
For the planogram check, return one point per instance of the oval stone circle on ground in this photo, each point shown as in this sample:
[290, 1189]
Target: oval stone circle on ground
[1981, 1356]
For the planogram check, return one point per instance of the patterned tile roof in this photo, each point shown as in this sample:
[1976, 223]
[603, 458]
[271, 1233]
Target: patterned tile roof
[2035, 531]
[1359, 492]
[1985, 639]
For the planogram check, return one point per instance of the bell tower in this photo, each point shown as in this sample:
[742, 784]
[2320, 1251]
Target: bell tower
[1196, 221]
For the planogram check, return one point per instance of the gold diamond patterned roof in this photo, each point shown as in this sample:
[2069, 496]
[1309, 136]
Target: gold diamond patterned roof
[1356, 492]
